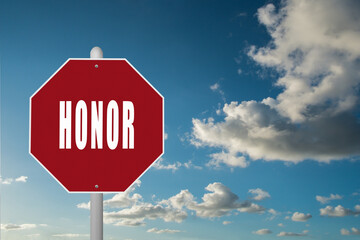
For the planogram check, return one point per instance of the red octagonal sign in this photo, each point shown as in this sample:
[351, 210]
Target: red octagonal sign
[96, 125]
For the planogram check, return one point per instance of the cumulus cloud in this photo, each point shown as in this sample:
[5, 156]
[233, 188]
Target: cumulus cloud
[262, 231]
[136, 214]
[10, 226]
[250, 207]
[339, 211]
[316, 114]
[300, 217]
[133, 211]
[267, 15]
[324, 200]
[83, 205]
[230, 159]
[259, 194]
[291, 234]
[161, 166]
[354, 231]
[21, 179]
[124, 199]
[161, 231]
[221, 201]
[180, 200]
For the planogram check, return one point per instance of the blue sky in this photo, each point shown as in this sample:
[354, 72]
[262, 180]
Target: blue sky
[261, 117]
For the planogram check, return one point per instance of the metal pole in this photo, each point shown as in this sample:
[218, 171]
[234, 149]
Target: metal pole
[96, 199]
[96, 216]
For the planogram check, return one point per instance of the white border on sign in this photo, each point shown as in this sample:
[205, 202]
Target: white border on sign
[91, 59]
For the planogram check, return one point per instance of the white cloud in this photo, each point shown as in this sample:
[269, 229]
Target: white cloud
[71, 235]
[339, 211]
[259, 194]
[227, 222]
[160, 231]
[250, 207]
[315, 115]
[229, 159]
[127, 222]
[273, 213]
[281, 225]
[239, 71]
[21, 179]
[220, 201]
[354, 231]
[123, 199]
[325, 200]
[159, 165]
[215, 87]
[189, 165]
[291, 234]
[8, 181]
[267, 15]
[300, 217]
[166, 136]
[262, 231]
[83, 205]
[10, 226]
[180, 200]
[136, 214]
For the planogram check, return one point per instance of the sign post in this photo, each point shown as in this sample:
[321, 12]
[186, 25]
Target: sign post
[96, 199]
[96, 216]
[96, 125]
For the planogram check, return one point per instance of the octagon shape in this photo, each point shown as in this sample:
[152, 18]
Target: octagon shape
[96, 168]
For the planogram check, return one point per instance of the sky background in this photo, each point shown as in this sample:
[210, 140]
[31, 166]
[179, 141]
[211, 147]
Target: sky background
[261, 117]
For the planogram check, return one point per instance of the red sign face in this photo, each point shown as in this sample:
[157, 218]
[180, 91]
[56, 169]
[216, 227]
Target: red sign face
[96, 125]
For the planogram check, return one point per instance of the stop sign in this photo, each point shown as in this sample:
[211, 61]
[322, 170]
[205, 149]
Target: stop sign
[96, 125]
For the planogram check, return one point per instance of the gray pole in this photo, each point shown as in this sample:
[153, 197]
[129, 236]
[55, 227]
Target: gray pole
[96, 199]
[96, 216]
